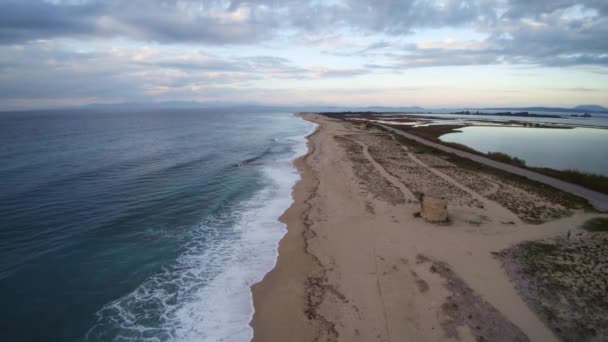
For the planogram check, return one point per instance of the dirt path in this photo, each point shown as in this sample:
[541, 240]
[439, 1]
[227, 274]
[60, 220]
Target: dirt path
[597, 199]
[507, 215]
[390, 178]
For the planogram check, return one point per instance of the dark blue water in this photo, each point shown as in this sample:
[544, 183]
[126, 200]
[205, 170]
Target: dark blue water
[139, 225]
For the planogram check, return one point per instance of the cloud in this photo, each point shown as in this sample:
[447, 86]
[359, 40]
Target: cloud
[554, 34]
[332, 73]
[21, 21]
[148, 20]
[52, 49]
[43, 71]
[225, 22]
[559, 33]
[578, 89]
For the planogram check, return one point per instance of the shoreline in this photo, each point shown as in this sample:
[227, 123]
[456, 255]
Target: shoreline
[357, 265]
[266, 322]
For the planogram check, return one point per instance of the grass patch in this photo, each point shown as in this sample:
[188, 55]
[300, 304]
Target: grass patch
[431, 132]
[537, 248]
[588, 180]
[598, 224]
[460, 147]
[505, 158]
[564, 280]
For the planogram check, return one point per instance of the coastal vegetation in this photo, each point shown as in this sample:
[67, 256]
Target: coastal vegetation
[598, 224]
[588, 180]
[506, 158]
[564, 280]
[516, 114]
[431, 132]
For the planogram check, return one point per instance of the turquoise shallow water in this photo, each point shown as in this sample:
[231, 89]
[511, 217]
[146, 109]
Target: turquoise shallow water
[133, 226]
[584, 149]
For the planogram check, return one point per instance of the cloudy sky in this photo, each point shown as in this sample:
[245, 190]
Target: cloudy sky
[349, 52]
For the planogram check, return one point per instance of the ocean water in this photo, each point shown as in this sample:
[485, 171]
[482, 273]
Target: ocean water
[140, 226]
[584, 149]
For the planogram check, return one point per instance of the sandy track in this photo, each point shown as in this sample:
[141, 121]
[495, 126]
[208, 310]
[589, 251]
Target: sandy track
[499, 210]
[393, 180]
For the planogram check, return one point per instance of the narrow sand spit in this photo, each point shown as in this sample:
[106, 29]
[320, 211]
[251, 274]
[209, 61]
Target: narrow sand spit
[357, 265]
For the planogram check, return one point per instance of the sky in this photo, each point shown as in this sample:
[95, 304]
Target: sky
[56, 53]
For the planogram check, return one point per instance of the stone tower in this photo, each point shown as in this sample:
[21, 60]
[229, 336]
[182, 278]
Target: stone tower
[434, 207]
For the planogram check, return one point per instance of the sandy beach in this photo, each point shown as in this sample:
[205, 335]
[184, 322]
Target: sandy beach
[357, 264]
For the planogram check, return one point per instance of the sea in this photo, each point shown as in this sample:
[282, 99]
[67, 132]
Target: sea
[140, 225]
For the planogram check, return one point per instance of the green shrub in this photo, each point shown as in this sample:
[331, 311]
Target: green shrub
[588, 180]
[598, 224]
[505, 158]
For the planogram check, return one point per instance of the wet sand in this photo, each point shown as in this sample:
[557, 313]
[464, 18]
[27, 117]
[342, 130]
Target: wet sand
[357, 264]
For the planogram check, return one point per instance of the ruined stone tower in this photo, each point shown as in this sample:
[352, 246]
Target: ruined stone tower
[434, 207]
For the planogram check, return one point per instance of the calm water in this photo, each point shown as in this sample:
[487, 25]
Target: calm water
[584, 149]
[140, 226]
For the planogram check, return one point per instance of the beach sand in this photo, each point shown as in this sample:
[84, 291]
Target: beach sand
[357, 264]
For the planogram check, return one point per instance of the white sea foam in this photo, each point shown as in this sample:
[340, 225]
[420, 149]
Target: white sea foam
[206, 295]
[222, 310]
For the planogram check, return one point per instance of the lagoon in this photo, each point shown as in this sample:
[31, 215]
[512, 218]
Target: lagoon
[583, 149]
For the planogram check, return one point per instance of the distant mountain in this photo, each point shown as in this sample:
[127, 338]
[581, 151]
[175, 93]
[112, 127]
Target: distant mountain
[169, 104]
[302, 107]
[594, 108]
[251, 105]
[578, 109]
[375, 109]
[392, 109]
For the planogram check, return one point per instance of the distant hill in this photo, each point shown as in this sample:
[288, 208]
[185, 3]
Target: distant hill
[250, 105]
[594, 108]
[260, 107]
[375, 109]
[169, 104]
[578, 109]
